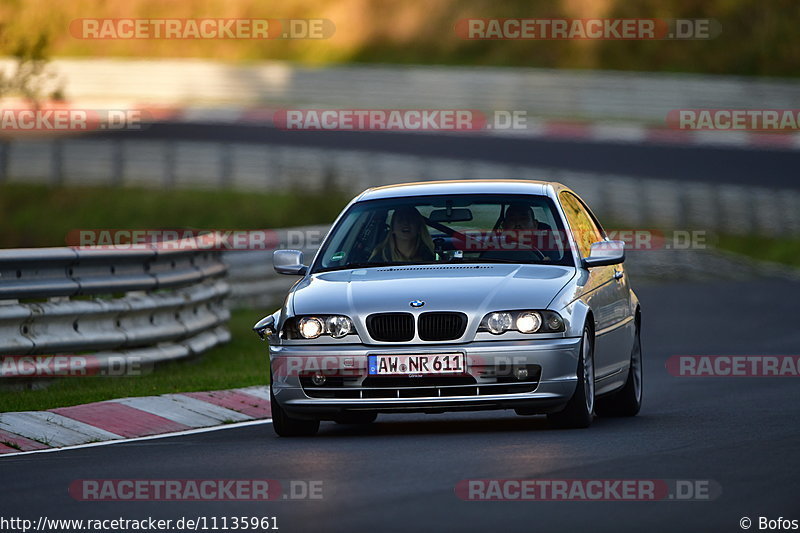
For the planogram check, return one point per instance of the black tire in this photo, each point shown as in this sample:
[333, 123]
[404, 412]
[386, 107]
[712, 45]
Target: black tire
[628, 400]
[286, 426]
[357, 418]
[580, 409]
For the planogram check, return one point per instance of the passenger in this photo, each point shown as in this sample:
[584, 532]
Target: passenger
[408, 239]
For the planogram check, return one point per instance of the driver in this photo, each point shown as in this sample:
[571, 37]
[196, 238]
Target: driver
[408, 239]
[521, 217]
[520, 225]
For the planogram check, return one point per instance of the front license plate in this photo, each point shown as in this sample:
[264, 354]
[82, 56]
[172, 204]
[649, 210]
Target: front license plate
[424, 364]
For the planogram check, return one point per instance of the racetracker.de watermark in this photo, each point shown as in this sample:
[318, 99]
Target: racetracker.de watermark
[57, 119]
[65, 366]
[644, 490]
[603, 29]
[192, 239]
[556, 241]
[198, 490]
[380, 119]
[200, 28]
[734, 366]
[734, 119]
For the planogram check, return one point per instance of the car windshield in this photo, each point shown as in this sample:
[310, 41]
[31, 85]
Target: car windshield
[446, 229]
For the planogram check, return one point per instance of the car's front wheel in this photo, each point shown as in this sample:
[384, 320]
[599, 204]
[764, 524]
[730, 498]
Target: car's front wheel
[286, 426]
[580, 409]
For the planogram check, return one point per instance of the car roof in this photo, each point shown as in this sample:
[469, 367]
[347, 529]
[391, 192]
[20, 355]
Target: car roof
[448, 187]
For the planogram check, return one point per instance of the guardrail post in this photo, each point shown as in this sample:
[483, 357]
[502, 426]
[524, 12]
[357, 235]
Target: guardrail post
[4, 149]
[274, 167]
[225, 165]
[647, 216]
[169, 164]
[682, 212]
[117, 163]
[749, 196]
[57, 162]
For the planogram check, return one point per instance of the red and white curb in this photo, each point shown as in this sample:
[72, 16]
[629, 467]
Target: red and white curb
[130, 418]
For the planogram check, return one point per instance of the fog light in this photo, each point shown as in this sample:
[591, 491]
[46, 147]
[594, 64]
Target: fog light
[318, 379]
[521, 373]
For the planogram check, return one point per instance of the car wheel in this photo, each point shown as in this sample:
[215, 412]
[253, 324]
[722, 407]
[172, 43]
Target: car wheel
[356, 418]
[628, 400]
[286, 426]
[578, 412]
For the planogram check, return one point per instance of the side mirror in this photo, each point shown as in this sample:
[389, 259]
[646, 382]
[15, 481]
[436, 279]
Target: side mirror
[605, 253]
[264, 327]
[289, 262]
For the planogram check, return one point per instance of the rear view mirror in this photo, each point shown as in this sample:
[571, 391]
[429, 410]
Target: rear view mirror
[605, 253]
[289, 262]
[458, 214]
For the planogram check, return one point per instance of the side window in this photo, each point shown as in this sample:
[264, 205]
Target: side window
[581, 224]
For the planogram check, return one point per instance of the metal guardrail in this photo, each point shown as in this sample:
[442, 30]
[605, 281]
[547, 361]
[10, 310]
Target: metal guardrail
[51, 272]
[151, 304]
[627, 200]
[254, 283]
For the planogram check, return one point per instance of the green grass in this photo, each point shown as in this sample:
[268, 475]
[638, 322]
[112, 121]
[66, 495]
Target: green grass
[776, 250]
[40, 215]
[241, 363]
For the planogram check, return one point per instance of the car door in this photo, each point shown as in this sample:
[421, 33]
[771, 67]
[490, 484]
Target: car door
[605, 292]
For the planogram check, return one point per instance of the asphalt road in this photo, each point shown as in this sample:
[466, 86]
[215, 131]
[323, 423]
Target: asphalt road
[399, 474]
[712, 164]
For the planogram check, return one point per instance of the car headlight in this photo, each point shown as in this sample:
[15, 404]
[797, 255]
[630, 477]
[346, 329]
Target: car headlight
[338, 326]
[529, 322]
[312, 327]
[555, 322]
[497, 323]
[538, 321]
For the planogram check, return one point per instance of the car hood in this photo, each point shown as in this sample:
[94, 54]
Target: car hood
[473, 289]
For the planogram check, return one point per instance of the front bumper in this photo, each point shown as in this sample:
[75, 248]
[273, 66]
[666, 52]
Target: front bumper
[488, 383]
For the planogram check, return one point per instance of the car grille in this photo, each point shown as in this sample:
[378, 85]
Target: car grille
[442, 326]
[399, 327]
[391, 327]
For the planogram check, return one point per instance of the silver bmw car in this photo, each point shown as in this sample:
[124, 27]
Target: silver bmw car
[457, 295]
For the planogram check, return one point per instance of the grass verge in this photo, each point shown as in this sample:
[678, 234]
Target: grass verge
[243, 362]
[41, 215]
[775, 250]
